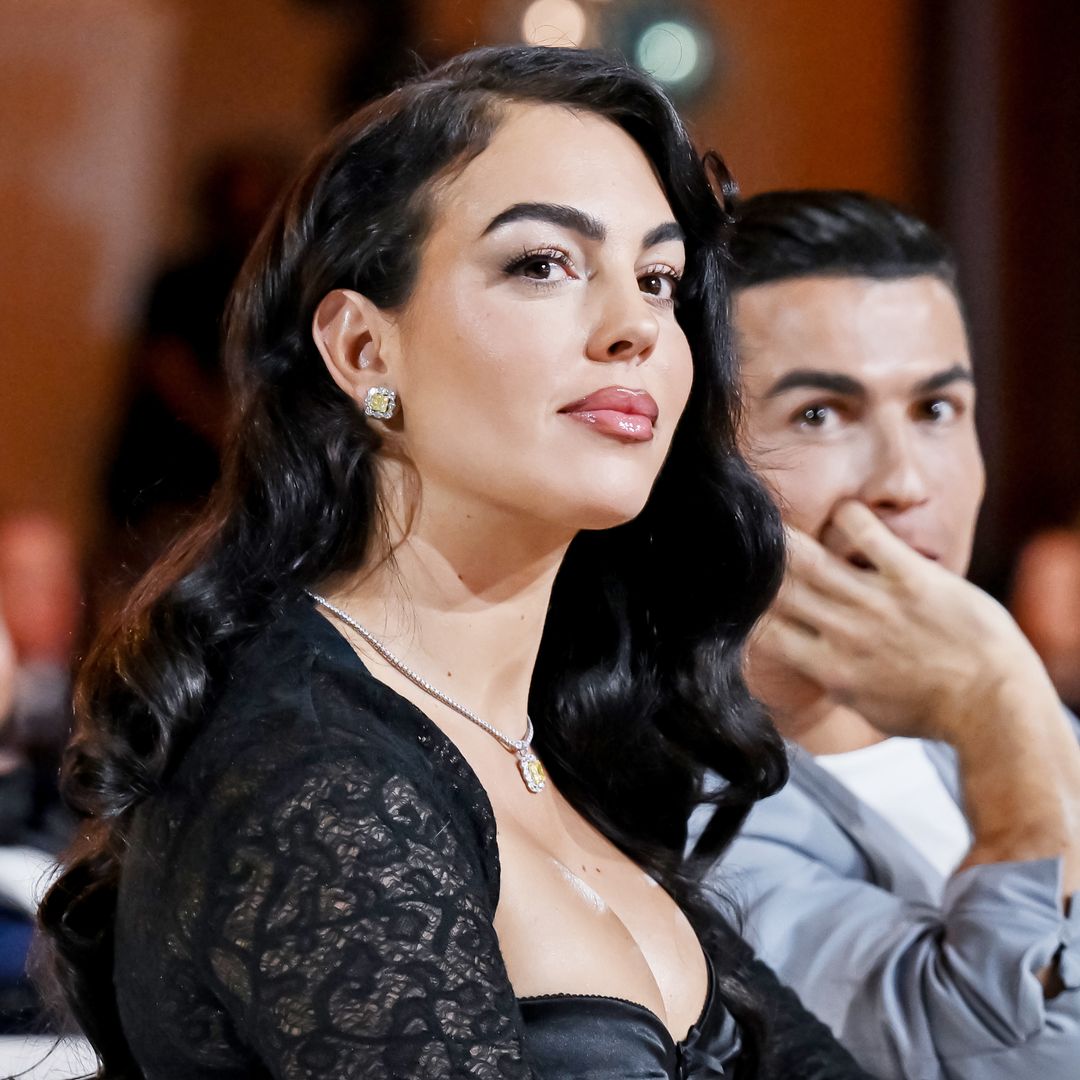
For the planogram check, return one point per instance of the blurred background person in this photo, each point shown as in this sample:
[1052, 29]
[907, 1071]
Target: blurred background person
[1046, 602]
[167, 456]
[15, 925]
[41, 605]
[40, 628]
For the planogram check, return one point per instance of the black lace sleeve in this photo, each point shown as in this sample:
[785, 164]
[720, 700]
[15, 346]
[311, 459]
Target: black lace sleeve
[801, 1046]
[798, 1045]
[347, 928]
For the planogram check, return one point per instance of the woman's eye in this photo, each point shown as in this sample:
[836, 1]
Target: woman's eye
[542, 269]
[545, 266]
[661, 283]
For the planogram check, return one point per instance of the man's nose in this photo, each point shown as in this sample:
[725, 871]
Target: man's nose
[896, 477]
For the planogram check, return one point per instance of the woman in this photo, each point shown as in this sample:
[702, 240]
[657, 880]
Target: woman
[483, 471]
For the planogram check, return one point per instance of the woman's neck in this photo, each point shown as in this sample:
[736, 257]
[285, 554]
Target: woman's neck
[462, 602]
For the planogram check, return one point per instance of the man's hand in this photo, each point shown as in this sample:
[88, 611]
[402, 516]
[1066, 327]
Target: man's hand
[918, 651]
[911, 646]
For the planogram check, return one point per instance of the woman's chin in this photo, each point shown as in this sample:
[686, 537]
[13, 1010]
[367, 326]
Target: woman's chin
[609, 513]
[572, 498]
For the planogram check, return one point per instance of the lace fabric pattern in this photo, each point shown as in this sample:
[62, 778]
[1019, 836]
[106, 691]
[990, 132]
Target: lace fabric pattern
[373, 950]
[330, 915]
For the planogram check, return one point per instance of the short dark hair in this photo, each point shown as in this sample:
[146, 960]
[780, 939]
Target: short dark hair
[780, 235]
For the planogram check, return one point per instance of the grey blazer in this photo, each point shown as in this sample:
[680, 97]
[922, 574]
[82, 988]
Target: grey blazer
[921, 978]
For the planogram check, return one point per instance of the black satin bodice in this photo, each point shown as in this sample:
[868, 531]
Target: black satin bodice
[587, 1037]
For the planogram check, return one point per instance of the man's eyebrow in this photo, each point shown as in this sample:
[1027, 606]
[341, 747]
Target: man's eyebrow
[568, 217]
[813, 379]
[957, 373]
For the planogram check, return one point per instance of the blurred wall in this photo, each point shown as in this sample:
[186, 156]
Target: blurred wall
[817, 95]
[804, 92]
[108, 108]
[84, 90]
[1039, 269]
[248, 71]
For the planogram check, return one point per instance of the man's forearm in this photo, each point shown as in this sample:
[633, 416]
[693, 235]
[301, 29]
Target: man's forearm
[1020, 773]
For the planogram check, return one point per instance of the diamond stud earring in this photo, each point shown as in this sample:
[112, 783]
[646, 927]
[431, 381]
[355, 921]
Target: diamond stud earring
[380, 402]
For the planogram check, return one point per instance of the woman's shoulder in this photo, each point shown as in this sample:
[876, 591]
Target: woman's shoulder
[298, 684]
[303, 745]
[298, 708]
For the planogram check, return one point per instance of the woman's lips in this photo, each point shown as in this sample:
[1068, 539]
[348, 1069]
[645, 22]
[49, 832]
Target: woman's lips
[616, 411]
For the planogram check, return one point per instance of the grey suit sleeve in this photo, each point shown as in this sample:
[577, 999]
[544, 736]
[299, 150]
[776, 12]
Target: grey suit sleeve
[915, 990]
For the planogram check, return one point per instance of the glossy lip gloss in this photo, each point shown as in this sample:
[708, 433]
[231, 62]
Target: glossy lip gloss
[616, 411]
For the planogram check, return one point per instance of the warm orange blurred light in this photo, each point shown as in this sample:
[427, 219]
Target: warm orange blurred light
[554, 22]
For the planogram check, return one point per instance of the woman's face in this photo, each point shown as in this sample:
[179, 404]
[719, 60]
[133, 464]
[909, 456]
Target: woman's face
[538, 363]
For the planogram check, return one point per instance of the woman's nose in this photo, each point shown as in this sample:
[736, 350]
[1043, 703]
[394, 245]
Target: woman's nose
[627, 329]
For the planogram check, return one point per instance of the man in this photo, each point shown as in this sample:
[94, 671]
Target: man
[913, 881]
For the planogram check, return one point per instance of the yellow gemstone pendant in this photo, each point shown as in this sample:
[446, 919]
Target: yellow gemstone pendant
[532, 771]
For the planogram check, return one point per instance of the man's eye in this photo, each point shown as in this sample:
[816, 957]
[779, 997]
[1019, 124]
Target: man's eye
[814, 416]
[939, 410]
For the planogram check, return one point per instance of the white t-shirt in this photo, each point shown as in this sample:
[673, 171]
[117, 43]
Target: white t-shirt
[898, 780]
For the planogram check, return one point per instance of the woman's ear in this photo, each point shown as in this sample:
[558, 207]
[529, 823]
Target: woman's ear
[347, 330]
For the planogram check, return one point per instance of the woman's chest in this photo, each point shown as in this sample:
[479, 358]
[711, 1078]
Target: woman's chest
[576, 915]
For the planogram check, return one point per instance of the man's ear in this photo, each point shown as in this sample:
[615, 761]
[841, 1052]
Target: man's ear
[347, 330]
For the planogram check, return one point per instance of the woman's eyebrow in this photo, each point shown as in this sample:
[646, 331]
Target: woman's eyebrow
[570, 217]
[670, 230]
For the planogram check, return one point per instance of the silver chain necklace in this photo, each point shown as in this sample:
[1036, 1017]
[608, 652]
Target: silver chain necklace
[529, 765]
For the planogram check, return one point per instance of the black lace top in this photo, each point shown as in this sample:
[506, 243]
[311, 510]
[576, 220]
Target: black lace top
[313, 896]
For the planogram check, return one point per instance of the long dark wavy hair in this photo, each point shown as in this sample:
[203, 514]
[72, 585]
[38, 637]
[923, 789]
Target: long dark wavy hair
[638, 687]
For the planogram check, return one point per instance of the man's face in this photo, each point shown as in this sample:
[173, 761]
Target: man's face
[861, 389]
